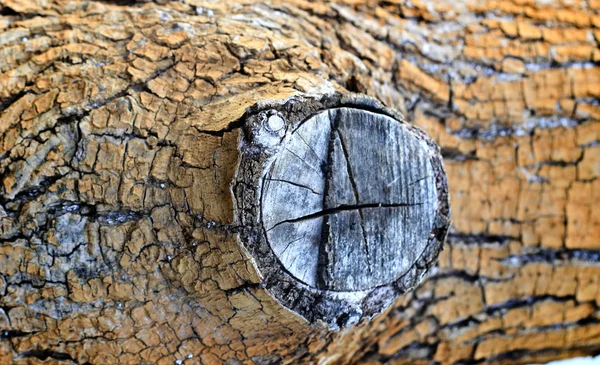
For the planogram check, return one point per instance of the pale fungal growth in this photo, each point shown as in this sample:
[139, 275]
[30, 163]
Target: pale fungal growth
[343, 205]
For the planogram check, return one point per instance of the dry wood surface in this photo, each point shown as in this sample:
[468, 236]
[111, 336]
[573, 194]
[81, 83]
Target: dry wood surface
[118, 144]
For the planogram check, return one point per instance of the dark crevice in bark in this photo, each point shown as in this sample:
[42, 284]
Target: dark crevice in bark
[221, 132]
[48, 354]
[7, 11]
[550, 256]
[479, 238]
[527, 302]
[7, 102]
[456, 155]
[91, 211]
[245, 287]
[15, 333]
[458, 274]
[30, 194]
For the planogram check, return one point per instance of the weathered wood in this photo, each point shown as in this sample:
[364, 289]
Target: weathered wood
[350, 200]
[351, 205]
[119, 126]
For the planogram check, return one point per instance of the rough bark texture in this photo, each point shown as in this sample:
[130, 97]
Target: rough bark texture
[113, 113]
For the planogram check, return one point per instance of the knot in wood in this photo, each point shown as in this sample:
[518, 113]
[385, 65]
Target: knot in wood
[350, 201]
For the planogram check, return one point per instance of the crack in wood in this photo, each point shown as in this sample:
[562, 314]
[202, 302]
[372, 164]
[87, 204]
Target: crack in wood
[356, 193]
[345, 208]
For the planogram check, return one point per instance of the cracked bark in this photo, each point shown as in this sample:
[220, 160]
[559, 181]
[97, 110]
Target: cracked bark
[135, 106]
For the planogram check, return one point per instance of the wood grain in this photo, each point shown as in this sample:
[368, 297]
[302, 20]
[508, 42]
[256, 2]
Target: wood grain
[350, 201]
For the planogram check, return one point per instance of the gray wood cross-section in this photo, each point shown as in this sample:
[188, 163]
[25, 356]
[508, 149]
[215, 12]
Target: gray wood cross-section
[342, 205]
[349, 203]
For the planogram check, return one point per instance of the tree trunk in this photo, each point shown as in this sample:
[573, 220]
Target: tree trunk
[119, 131]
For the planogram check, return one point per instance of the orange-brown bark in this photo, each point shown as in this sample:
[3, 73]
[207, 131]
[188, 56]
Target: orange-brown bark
[114, 116]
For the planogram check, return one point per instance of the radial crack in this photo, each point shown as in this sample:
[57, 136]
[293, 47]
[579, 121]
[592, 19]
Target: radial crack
[357, 198]
[301, 159]
[296, 184]
[344, 208]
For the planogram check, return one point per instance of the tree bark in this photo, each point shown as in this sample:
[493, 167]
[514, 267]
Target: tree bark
[114, 115]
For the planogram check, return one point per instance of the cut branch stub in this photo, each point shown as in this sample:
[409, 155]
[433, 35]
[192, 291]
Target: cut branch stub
[349, 202]
[343, 206]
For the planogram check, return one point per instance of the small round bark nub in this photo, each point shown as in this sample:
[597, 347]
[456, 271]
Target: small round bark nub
[343, 205]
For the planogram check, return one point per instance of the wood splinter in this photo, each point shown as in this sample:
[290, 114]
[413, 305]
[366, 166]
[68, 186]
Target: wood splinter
[344, 205]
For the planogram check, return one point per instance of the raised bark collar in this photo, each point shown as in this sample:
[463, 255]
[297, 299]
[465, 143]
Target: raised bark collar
[343, 205]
